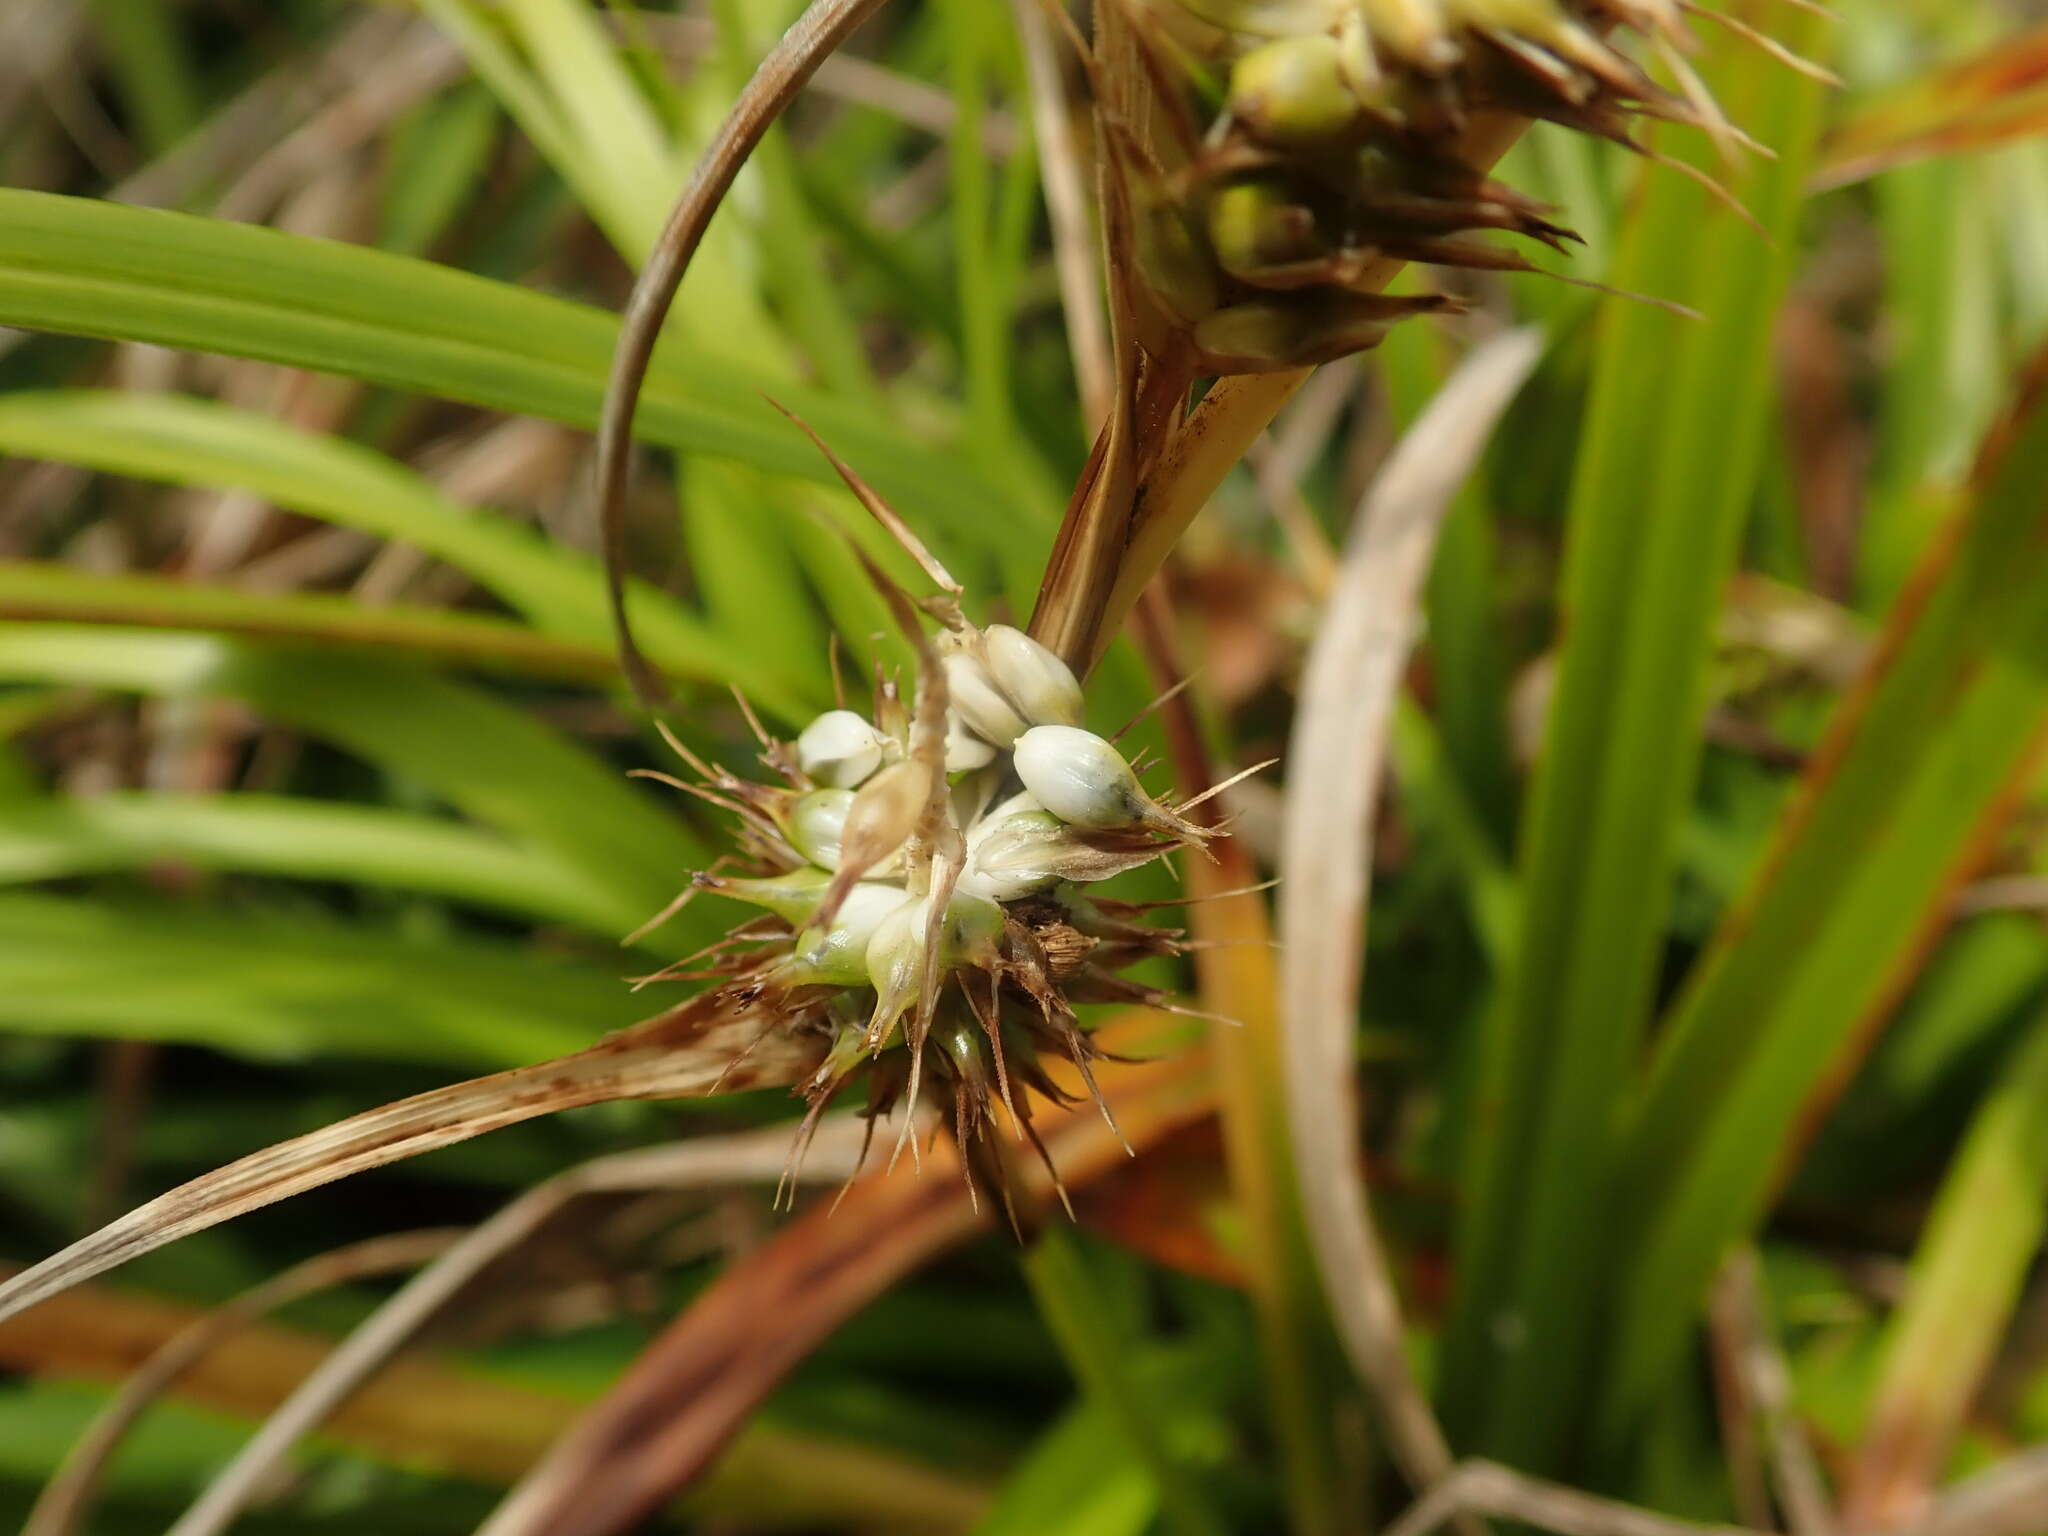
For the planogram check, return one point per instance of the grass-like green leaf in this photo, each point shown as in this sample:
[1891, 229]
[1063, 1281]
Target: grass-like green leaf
[34, 590]
[255, 985]
[1666, 469]
[57, 837]
[100, 269]
[186, 441]
[1967, 1275]
[477, 754]
[1919, 769]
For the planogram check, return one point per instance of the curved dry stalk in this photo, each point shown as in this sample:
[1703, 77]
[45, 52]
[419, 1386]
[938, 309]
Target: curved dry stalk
[64, 1501]
[764, 1154]
[2011, 1499]
[1336, 760]
[780, 75]
[1487, 1488]
[1762, 1398]
[721, 1041]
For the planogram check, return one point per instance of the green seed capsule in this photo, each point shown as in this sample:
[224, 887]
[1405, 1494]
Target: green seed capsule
[817, 825]
[1268, 18]
[792, 896]
[1295, 94]
[1263, 236]
[896, 953]
[839, 957]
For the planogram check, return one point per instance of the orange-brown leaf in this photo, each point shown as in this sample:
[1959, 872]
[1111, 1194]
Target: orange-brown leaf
[1992, 97]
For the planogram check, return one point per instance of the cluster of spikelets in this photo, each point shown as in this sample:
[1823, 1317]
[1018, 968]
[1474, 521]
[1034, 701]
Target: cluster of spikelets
[1295, 149]
[920, 873]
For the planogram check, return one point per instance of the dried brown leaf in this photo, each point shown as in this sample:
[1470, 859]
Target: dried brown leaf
[722, 1041]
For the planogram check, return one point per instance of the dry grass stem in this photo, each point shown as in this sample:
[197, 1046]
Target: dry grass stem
[1064, 176]
[1335, 766]
[1765, 1391]
[1487, 1488]
[60, 1509]
[756, 1156]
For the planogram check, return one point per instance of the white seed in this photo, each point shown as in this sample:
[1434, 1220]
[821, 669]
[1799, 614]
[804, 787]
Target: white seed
[1080, 778]
[979, 703]
[1043, 688]
[817, 825]
[839, 749]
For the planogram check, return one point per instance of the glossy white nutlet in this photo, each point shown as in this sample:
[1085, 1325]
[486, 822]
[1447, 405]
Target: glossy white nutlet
[1043, 688]
[979, 703]
[839, 749]
[1081, 778]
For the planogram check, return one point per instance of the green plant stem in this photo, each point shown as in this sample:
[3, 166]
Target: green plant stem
[1067, 1299]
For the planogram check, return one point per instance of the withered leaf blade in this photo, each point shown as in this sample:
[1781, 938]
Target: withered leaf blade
[723, 1041]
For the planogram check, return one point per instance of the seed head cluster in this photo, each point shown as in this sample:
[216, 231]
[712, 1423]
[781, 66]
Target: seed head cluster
[920, 872]
[1292, 150]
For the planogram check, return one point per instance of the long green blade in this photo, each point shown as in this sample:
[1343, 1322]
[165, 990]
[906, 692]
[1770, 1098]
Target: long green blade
[32, 589]
[479, 755]
[1666, 469]
[249, 983]
[1920, 768]
[100, 269]
[52, 838]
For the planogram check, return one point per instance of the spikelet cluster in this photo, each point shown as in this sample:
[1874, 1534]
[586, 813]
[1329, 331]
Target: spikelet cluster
[1289, 151]
[919, 874]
